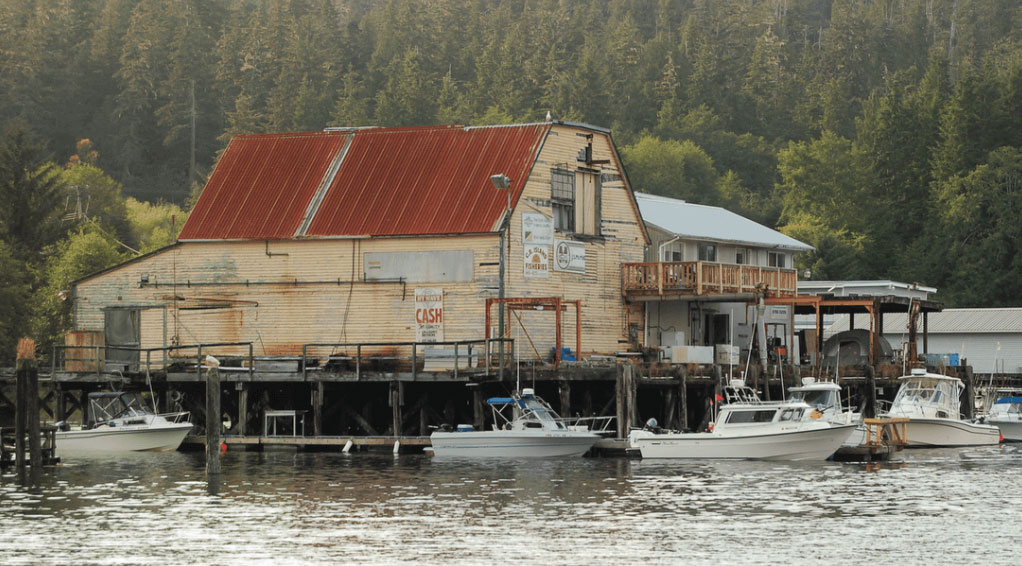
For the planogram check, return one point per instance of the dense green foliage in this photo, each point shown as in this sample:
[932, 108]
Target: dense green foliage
[884, 132]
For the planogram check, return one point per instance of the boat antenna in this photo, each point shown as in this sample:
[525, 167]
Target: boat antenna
[730, 343]
[518, 361]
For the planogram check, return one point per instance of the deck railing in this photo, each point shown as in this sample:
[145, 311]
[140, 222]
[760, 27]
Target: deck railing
[696, 278]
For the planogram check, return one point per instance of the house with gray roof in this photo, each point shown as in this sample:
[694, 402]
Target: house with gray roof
[704, 267]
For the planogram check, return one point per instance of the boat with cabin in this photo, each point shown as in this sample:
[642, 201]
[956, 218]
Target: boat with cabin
[122, 422]
[1006, 415]
[931, 402]
[525, 426]
[749, 428]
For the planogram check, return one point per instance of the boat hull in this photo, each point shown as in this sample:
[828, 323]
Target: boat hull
[812, 444]
[122, 439]
[512, 444]
[933, 433]
[1010, 430]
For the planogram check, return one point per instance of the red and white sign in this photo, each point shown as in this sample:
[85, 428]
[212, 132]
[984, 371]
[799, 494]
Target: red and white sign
[429, 315]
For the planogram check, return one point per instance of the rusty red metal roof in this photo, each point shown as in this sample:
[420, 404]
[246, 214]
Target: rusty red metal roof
[433, 180]
[262, 186]
[390, 181]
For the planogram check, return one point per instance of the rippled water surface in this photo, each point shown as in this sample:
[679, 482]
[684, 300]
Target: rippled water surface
[936, 507]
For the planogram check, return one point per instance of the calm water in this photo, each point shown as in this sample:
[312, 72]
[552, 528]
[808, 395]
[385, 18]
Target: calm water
[939, 506]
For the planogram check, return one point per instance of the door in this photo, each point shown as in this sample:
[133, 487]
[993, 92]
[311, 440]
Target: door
[123, 336]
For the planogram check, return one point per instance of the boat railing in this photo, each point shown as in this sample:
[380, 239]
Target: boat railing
[176, 417]
[599, 425]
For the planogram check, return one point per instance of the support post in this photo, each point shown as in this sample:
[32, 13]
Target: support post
[619, 395]
[633, 394]
[564, 388]
[478, 410]
[683, 387]
[317, 408]
[395, 406]
[242, 408]
[26, 416]
[965, 374]
[869, 411]
[213, 421]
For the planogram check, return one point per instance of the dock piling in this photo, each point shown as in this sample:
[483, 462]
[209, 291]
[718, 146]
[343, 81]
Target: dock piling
[212, 418]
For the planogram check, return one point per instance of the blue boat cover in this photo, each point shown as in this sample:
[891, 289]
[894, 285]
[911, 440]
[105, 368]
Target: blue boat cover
[500, 400]
[1009, 400]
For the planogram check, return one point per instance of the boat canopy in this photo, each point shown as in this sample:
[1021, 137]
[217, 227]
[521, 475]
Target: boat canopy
[1009, 400]
[500, 400]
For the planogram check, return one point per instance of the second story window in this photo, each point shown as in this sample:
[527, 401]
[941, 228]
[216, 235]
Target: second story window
[707, 252]
[743, 256]
[562, 199]
[775, 259]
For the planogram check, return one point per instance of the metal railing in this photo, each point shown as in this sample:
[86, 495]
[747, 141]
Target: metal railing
[464, 356]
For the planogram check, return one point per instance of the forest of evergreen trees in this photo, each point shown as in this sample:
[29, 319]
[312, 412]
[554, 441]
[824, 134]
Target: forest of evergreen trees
[886, 133]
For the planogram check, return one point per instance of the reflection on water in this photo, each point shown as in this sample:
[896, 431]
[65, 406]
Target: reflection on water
[297, 508]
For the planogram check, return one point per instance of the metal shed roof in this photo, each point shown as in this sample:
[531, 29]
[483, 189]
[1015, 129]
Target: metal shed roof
[262, 186]
[948, 321]
[713, 223]
[364, 182]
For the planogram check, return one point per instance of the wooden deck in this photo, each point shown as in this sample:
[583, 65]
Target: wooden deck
[701, 278]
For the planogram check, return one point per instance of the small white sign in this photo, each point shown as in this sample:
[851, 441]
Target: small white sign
[570, 256]
[429, 315]
[537, 229]
[537, 261]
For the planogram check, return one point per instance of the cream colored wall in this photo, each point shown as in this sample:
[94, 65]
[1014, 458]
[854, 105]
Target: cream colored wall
[289, 293]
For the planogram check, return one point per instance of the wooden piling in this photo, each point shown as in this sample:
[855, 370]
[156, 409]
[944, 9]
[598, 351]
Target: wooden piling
[869, 411]
[965, 374]
[213, 421]
[22, 408]
[242, 389]
[317, 408]
[633, 395]
[683, 394]
[564, 388]
[619, 396]
[478, 410]
[395, 406]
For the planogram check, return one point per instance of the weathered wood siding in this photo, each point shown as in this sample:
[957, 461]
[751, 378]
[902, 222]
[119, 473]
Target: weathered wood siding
[283, 294]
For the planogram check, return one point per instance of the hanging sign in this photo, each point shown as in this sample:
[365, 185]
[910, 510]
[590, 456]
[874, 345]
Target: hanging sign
[429, 315]
[570, 256]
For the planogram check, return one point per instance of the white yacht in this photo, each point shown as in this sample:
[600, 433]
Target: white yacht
[121, 422]
[531, 430]
[1006, 415]
[931, 402]
[748, 428]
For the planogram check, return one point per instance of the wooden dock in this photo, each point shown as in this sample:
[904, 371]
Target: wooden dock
[884, 437]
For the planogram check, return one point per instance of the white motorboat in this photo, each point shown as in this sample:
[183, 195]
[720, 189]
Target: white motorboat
[931, 402]
[533, 430]
[825, 396]
[121, 422]
[750, 429]
[1006, 415]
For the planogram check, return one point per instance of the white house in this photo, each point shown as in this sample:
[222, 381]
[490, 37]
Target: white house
[704, 266]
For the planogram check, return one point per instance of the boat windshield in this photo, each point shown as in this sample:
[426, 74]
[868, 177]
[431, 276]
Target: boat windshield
[536, 409]
[816, 398]
[108, 406]
[928, 392]
[1007, 406]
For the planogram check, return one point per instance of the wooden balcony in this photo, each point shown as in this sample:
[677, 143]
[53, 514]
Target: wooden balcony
[704, 278]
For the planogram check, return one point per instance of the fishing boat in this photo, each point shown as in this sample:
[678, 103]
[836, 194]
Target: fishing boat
[748, 428]
[931, 402]
[524, 427]
[1006, 415]
[121, 422]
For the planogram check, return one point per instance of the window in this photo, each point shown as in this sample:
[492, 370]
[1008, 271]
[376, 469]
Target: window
[775, 259]
[757, 416]
[674, 251]
[707, 252]
[562, 199]
[743, 256]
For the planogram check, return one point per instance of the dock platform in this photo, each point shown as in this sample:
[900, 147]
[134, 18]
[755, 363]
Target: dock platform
[884, 437]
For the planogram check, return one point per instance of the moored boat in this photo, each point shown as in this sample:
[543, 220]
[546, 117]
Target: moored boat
[533, 430]
[121, 422]
[1006, 415]
[931, 402]
[751, 429]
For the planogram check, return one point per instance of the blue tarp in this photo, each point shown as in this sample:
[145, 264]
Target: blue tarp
[500, 400]
[1009, 400]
